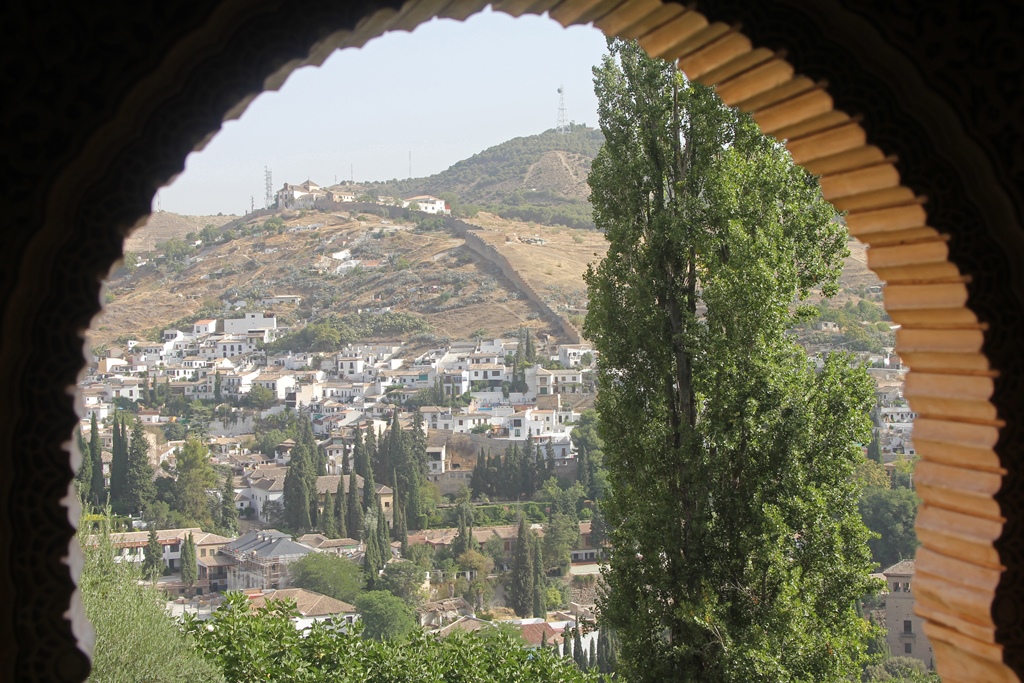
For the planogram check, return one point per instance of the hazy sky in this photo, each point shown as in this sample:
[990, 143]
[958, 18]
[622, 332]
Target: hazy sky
[443, 92]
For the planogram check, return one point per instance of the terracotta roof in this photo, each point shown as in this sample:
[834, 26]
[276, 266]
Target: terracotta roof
[141, 538]
[466, 624]
[216, 560]
[902, 567]
[267, 484]
[308, 603]
[447, 605]
[534, 633]
[321, 541]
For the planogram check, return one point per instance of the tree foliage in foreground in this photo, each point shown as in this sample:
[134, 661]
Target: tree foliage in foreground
[738, 552]
[268, 647]
[136, 640]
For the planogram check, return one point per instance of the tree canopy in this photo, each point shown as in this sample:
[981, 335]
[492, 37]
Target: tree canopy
[332, 575]
[264, 645]
[737, 549]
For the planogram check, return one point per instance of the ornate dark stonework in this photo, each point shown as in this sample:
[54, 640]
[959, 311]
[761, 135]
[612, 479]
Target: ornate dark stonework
[103, 103]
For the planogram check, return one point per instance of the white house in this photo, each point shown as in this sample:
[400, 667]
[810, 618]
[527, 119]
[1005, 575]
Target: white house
[251, 321]
[275, 299]
[299, 196]
[570, 355]
[427, 204]
[204, 327]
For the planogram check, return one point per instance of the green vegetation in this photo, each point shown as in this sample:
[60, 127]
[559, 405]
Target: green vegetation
[493, 180]
[385, 616]
[737, 549]
[333, 332]
[890, 514]
[136, 640]
[267, 647]
[328, 574]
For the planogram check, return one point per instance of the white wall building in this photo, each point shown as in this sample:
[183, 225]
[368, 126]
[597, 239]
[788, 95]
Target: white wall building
[427, 204]
[251, 321]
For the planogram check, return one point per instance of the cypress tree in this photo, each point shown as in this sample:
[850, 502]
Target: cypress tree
[228, 514]
[567, 643]
[460, 543]
[370, 451]
[303, 519]
[544, 640]
[592, 660]
[550, 469]
[83, 478]
[153, 564]
[369, 491]
[521, 583]
[528, 468]
[97, 485]
[189, 568]
[357, 453]
[477, 481]
[118, 465]
[296, 499]
[540, 598]
[398, 523]
[579, 655]
[874, 448]
[383, 535]
[511, 472]
[139, 489]
[328, 522]
[341, 508]
[355, 510]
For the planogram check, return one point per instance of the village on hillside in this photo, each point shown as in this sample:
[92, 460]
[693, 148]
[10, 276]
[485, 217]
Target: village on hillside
[470, 403]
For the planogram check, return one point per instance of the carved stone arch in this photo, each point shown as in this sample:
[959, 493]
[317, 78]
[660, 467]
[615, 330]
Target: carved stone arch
[903, 114]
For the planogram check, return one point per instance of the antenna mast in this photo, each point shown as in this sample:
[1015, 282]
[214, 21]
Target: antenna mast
[563, 124]
[269, 181]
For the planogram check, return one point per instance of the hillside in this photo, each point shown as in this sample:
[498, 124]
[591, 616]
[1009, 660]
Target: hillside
[540, 178]
[432, 281]
[164, 225]
[424, 278]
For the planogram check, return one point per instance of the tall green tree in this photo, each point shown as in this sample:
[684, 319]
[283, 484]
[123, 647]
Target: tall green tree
[540, 583]
[328, 520]
[195, 476]
[520, 587]
[97, 486]
[341, 508]
[83, 478]
[153, 564]
[139, 490]
[354, 517]
[228, 512]
[189, 562]
[737, 552]
[118, 464]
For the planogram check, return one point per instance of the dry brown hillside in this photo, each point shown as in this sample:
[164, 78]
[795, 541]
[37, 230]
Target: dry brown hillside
[164, 225]
[431, 275]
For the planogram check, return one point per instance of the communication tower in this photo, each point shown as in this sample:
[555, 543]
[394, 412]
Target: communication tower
[563, 123]
[270, 187]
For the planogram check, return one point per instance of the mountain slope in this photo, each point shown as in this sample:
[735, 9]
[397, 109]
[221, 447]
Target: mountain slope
[540, 178]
